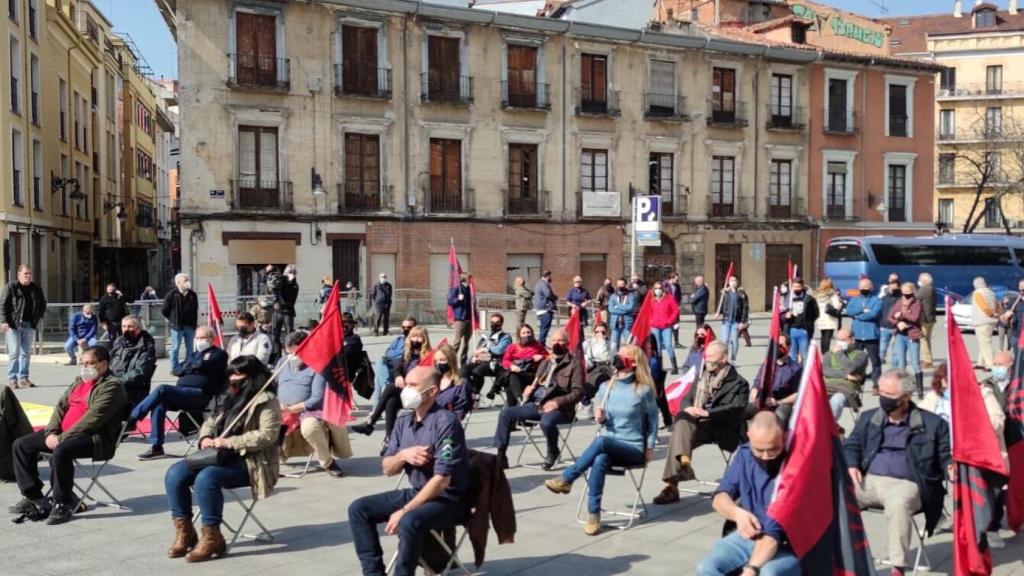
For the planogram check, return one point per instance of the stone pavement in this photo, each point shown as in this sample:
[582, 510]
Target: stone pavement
[309, 522]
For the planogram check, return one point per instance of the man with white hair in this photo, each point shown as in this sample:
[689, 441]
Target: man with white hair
[926, 296]
[984, 317]
[82, 327]
[181, 308]
[897, 455]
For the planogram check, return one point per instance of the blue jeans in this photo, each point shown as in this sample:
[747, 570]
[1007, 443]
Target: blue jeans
[545, 326]
[167, 397]
[903, 347]
[733, 552]
[366, 513]
[602, 454]
[620, 337]
[179, 337]
[798, 340]
[549, 422]
[208, 484]
[731, 337]
[72, 343]
[19, 347]
[381, 378]
[664, 338]
[883, 344]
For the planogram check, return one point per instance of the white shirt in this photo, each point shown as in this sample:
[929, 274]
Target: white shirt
[257, 345]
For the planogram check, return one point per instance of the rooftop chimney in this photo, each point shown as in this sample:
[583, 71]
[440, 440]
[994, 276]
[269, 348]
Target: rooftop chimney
[958, 9]
[1013, 6]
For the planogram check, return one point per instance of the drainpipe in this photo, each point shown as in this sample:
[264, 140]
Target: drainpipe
[407, 151]
[565, 131]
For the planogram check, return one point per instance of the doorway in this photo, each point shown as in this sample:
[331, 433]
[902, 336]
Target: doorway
[345, 261]
[776, 258]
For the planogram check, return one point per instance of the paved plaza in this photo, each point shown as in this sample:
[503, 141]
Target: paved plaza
[308, 516]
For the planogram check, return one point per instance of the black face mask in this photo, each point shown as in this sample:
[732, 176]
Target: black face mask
[865, 292]
[619, 363]
[623, 290]
[405, 331]
[908, 296]
[416, 345]
[559, 349]
[442, 369]
[527, 340]
[495, 327]
[130, 335]
[797, 292]
[889, 405]
[244, 331]
[700, 342]
[771, 467]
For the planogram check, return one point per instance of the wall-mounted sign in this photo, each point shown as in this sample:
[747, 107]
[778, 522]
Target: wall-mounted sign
[602, 205]
[647, 220]
[841, 27]
[216, 194]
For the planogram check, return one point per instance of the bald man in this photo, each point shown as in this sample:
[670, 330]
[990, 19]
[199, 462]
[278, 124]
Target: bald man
[429, 445]
[550, 399]
[758, 544]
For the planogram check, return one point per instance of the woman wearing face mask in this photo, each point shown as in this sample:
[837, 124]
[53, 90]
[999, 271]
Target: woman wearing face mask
[695, 354]
[628, 413]
[246, 437]
[454, 393]
[664, 315]
[417, 345]
[520, 362]
[905, 315]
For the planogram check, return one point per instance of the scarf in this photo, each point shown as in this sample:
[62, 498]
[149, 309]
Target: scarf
[708, 384]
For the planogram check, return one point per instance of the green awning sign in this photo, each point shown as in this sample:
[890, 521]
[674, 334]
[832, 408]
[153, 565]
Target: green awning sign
[841, 27]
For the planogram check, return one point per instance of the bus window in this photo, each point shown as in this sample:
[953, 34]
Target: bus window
[959, 255]
[1019, 253]
[845, 253]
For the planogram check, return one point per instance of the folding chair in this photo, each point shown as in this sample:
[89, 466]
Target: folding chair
[530, 427]
[93, 474]
[175, 424]
[727, 457]
[305, 469]
[453, 555]
[922, 551]
[263, 535]
[639, 508]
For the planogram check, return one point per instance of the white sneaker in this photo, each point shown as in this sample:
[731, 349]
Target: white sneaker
[585, 412]
[995, 540]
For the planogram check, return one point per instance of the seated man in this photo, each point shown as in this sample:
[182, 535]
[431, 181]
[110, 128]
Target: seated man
[428, 444]
[897, 456]
[133, 359]
[551, 399]
[14, 424]
[710, 413]
[82, 328]
[249, 341]
[486, 359]
[200, 378]
[301, 393]
[389, 363]
[844, 368]
[785, 384]
[758, 545]
[85, 424]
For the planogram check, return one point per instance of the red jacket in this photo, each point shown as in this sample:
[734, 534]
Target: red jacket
[664, 312]
[519, 352]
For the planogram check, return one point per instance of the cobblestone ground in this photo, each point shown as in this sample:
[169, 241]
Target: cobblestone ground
[307, 516]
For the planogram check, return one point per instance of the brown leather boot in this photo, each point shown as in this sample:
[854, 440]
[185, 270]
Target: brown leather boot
[210, 545]
[185, 538]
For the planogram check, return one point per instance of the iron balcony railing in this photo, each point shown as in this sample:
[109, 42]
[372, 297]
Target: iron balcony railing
[606, 104]
[528, 95]
[525, 202]
[664, 106]
[367, 81]
[353, 198]
[785, 117]
[446, 89]
[249, 70]
[843, 124]
[728, 116]
[250, 194]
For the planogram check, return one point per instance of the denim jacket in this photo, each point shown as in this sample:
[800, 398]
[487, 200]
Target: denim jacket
[866, 312]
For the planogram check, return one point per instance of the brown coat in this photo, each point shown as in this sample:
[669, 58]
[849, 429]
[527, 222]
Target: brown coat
[492, 501]
[257, 443]
[566, 386]
[911, 314]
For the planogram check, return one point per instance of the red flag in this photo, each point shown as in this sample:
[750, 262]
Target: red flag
[214, 318]
[729, 273]
[979, 465]
[676, 390]
[790, 270]
[454, 275]
[641, 330]
[574, 328]
[428, 358]
[772, 354]
[324, 351]
[1014, 435]
[814, 498]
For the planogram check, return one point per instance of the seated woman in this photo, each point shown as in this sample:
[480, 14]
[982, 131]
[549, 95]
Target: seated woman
[626, 408]
[417, 345]
[520, 362]
[454, 391]
[246, 436]
[703, 336]
[784, 387]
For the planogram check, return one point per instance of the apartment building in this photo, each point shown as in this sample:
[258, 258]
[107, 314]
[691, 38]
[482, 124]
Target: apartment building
[168, 154]
[978, 110]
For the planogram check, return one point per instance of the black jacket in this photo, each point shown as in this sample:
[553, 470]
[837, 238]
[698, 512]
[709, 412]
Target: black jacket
[112, 308]
[928, 452]
[286, 294]
[13, 301]
[181, 310]
[725, 413]
[699, 300]
[381, 295]
[206, 370]
[805, 313]
[134, 363]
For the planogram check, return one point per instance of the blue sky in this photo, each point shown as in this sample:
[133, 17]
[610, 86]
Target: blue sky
[142, 21]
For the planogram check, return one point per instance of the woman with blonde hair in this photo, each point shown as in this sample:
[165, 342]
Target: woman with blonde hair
[454, 393]
[524, 299]
[627, 410]
[417, 346]
[831, 306]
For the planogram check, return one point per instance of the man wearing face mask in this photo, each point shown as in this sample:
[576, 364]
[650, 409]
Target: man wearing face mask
[181, 308]
[545, 304]
[353, 343]
[381, 298]
[906, 315]
[133, 359]
[843, 367]
[112, 308]
[428, 444]
[711, 412]
[200, 378]
[993, 392]
[604, 293]
[800, 315]
[285, 293]
[248, 341]
[550, 399]
[82, 327]
[758, 545]
[620, 308]
[898, 455]
[460, 300]
[866, 311]
[486, 359]
[85, 424]
[785, 383]
[699, 300]
[735, 314]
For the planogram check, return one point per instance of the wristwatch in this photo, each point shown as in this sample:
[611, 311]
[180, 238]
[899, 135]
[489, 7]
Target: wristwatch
[755, 569]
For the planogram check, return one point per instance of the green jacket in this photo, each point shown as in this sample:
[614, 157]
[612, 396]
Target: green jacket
[257, 443]
[108, 404]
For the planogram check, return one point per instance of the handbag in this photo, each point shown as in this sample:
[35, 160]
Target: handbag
[206, 457]
[362, 380]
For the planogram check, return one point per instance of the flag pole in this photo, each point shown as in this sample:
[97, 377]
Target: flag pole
[249, 404]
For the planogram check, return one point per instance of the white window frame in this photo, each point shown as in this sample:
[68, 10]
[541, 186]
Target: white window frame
[846, 157]
[951, 129]
[905, 159]
[908, 81]
[850, 76]
[34, 85]
[952, 210]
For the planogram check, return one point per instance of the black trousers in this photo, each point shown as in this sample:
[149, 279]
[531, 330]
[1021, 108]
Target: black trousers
[517, 383]
[62, 469]
[389, 403]
[382, 321]
[282, 322]
[699, 320]
[872, 348]
[475, 372]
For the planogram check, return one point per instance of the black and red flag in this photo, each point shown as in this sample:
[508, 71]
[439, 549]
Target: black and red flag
[814, 499]
[324, 351]
[1014, 434]
[574, 329]
[641, 330]
[772, 354]
[980, 471]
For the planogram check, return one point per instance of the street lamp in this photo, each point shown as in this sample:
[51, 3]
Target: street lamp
[58, 183]
[118, 208]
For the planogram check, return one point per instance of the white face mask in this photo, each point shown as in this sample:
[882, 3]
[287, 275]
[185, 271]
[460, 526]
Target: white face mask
[411, 398]
[842, 345]
[295, 363]
[202, 345]
[186, 286]
[89, 374]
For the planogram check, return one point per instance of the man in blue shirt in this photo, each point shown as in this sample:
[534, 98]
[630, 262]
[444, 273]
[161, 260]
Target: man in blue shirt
[758, 546]
[486, 359]
[81, 333]
[428, 444]
[460, 300]
[866, 311]
[392, 358]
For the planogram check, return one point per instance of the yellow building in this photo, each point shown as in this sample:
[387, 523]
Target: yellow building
[979, 114]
